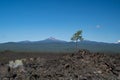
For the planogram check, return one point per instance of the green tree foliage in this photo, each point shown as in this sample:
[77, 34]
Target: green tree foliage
[77, 37]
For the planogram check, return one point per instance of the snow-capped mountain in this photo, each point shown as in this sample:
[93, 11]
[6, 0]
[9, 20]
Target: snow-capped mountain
[52, 39]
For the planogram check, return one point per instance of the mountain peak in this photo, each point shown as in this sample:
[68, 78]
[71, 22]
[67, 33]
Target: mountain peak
[51, 38]
[118, 42]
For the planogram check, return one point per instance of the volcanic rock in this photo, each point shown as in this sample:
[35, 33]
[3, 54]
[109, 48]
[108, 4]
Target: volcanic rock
[83, 65]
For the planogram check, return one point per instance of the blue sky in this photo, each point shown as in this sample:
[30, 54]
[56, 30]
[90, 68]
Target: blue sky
[39, 19]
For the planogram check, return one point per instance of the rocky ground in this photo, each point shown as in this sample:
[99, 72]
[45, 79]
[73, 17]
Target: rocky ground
[78, 66]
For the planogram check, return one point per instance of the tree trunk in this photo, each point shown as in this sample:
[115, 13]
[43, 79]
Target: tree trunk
[76, 46]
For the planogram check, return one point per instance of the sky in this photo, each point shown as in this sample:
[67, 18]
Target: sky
[36, 20]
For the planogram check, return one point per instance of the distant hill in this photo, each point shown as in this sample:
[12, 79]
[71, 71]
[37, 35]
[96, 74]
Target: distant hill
[55, 45]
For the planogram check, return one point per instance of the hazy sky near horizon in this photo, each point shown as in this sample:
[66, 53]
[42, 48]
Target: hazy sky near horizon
[39, 19]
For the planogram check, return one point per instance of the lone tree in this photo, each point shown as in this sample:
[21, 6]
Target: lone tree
[77, 36]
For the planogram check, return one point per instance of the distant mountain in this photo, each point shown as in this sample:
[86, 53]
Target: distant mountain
[26, 41]
[118, 42]
[55, 45]
[51, 40]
